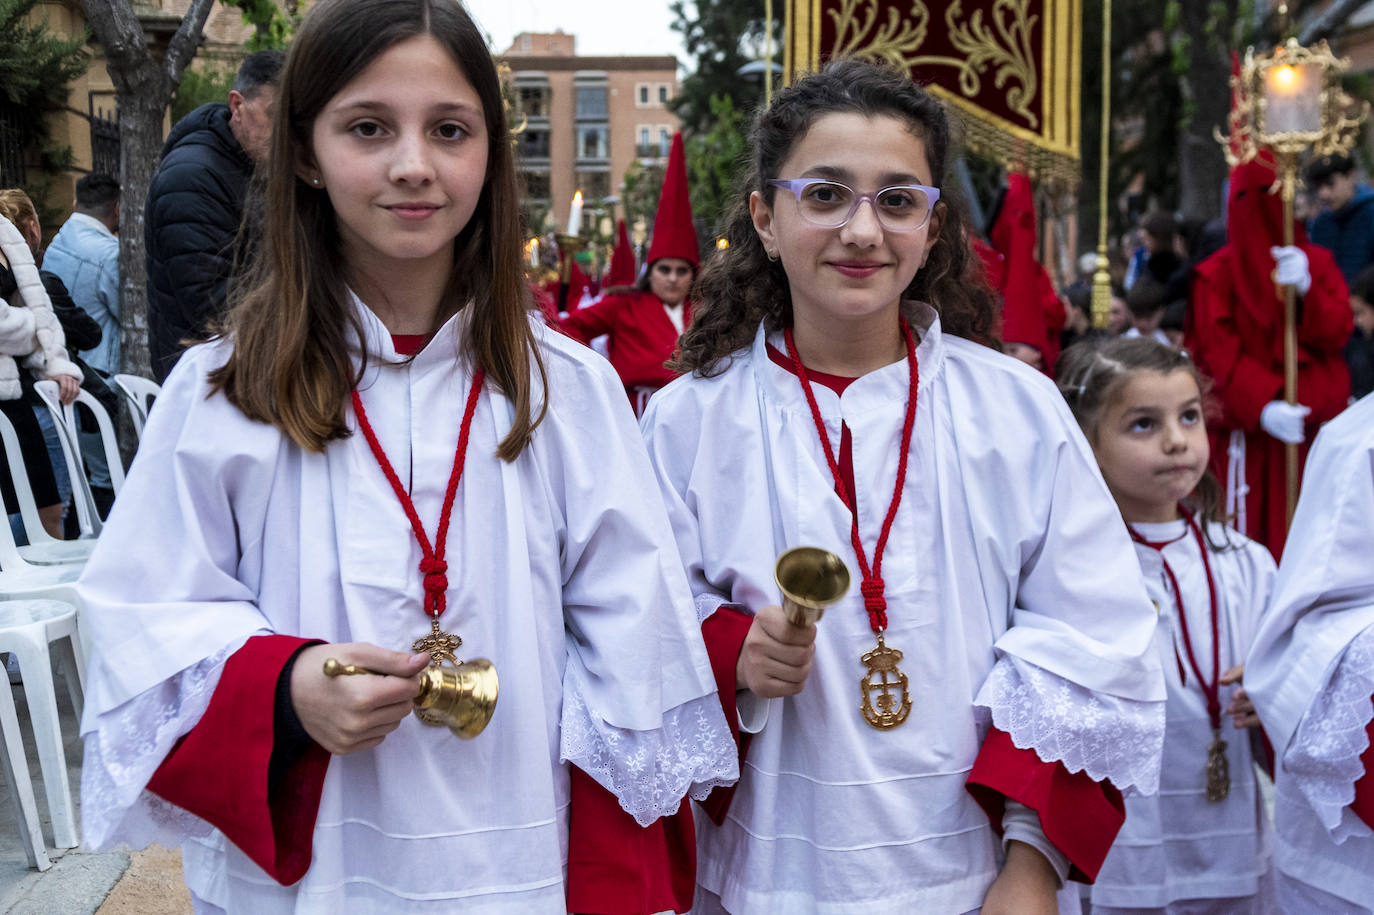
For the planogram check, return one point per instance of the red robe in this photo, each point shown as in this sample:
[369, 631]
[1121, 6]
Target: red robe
[642, 336]
[1243, 355]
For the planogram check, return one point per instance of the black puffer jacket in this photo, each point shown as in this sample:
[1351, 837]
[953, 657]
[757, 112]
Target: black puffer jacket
[191, 221]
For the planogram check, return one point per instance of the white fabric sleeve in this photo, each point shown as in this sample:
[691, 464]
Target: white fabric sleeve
[640, 710]
[1324, 755]
[124, 748]
[1111, 738]
[753, 711]
[1022, 824]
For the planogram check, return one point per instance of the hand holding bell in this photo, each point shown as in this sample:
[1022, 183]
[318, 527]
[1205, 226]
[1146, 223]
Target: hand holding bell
[811, 579]
[460, 697]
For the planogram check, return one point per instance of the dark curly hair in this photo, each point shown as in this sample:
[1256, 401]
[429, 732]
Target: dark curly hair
[740, 287]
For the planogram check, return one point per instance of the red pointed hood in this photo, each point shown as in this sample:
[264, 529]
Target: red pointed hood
[622, 269]
[674, 234]
[1028, 299]
[1254, 224]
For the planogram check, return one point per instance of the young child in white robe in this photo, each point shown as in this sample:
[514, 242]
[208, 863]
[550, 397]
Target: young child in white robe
[1311, 676]
[953, 735]
[387, 453]
[1201, 844]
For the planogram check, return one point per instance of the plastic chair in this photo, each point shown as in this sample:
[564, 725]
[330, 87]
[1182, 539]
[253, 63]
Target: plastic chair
[42, 548]
[87, 516]
[19, 779]
[140, 392]
[27, 629]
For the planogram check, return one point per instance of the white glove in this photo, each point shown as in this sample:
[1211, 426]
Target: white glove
[1290, 268]
[1285, 421]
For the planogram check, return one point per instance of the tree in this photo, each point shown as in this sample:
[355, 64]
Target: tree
[35, 69]
[720, 36]
[714, 160]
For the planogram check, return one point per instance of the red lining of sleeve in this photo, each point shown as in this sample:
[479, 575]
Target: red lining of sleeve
[1364, 788]
[1080, 817]
[724, 632]
[218, 771]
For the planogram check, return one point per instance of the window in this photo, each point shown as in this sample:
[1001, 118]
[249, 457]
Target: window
[591, 102]
[594, 185]
[643, 136]
[643, 94]
[532, 144]
[593, 142]
[662, 94]
[665, 140]
[536, 185]
[534, 101]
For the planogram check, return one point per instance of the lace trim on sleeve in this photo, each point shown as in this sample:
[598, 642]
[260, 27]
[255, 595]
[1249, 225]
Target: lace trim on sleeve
[1324, 757]
[124, 748]
[650, 772]
[1112, 739]
[707, 604]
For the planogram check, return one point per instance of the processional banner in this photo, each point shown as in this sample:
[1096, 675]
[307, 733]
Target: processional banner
[1010, 67]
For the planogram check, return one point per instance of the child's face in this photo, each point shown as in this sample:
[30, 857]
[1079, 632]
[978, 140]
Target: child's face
[859, 269]
[402, 152]
[1151, 444]
[1364, 315]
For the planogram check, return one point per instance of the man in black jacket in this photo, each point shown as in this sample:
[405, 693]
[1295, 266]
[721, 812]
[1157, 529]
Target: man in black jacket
[195, 206]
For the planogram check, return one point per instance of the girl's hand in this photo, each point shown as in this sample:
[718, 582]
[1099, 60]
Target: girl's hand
[1027, 885]
[1241, 709]
[776, 656]
[352, 713]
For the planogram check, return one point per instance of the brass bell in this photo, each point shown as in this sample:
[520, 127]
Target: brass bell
[459, 697]
[462, 698]
[811, 579]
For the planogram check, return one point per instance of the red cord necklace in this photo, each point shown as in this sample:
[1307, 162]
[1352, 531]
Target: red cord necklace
[1218, 774]
[882, 707]
[433, 566]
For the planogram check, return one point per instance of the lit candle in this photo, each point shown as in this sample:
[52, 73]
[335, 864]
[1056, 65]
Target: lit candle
[575, 216]
[1292, 99]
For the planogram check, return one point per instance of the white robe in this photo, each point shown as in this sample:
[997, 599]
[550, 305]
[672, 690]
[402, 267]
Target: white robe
[561, 571]
[1012, 591]
[1177, 845]
[1311, 673]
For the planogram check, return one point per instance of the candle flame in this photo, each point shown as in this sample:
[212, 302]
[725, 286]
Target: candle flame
[722, 243]
[577, 197]
[1285, 76]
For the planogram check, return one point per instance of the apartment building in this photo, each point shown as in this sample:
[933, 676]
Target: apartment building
[586, 119]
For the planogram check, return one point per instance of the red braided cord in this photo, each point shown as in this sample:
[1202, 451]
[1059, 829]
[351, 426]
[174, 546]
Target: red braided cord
[432, 563]
[1210, 689]
[872, 586]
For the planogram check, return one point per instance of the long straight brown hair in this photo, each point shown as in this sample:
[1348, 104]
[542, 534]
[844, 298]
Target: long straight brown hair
[291, 318]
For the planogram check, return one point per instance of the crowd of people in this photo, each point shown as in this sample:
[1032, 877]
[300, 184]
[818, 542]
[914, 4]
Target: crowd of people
[1069, 660]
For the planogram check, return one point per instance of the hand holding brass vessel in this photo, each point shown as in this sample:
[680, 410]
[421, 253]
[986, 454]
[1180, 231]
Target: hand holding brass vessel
[460, 697]
[811, 579]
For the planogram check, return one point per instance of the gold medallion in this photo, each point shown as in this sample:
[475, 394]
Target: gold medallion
[441, 647]
[1218, 769]
[884, 688]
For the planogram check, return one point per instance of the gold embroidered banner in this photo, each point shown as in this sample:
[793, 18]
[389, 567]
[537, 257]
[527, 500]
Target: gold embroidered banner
[1010, 67]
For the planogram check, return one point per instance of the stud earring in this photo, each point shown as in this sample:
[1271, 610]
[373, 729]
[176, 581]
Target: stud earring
[772, 255]
[315, 182]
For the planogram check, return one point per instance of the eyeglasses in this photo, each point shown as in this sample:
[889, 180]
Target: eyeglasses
[830, 205]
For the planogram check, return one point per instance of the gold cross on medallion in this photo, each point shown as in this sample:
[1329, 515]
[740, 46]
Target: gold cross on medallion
[440, 645]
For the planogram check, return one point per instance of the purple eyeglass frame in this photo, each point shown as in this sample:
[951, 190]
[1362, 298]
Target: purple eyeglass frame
[798, 185]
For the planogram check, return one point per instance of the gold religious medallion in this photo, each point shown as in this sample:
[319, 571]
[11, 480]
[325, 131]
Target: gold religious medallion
[1218, 769]
[884, 688]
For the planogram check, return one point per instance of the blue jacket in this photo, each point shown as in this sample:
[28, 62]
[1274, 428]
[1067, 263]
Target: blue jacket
[85, 256]
[1348, 233]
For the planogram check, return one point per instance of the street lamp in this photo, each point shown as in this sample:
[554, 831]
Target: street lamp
[1293, 102]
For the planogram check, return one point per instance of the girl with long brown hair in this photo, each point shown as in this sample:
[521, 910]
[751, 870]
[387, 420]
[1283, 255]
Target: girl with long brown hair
[385, 452]
[1200, 845]
[947, 738]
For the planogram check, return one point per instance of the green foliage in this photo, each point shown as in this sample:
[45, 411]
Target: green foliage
[272, 25]
[35, 68]
[714, 159]
[198, 87]
[640, 195]
[721, 36]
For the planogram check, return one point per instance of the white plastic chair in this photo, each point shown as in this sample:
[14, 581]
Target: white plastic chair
[43, 548]
[140, 393]
[87, 516]
[27, 628]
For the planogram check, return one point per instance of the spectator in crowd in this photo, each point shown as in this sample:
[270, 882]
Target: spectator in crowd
[1147, 300]
[1359, 352]
[1345, 224]
[196, 204]
[84, 255]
